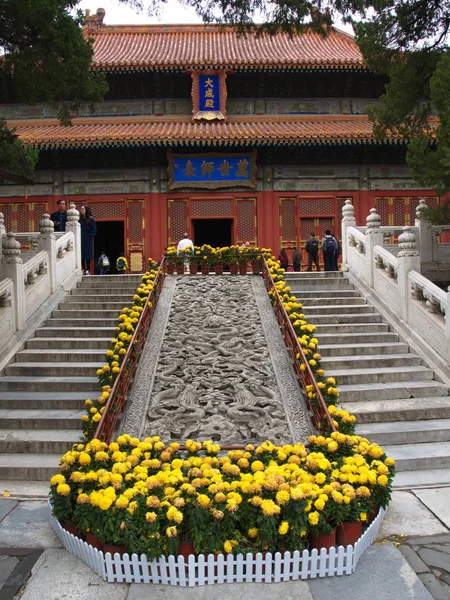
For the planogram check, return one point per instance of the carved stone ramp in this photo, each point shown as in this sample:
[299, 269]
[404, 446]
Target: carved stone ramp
[215, 367]
[397, 398]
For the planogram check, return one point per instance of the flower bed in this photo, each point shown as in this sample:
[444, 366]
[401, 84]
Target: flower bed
[220, 568]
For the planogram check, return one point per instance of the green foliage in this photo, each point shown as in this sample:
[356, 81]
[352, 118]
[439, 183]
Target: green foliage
[15, 158]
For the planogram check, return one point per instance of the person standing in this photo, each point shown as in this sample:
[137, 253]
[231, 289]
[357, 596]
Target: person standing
[296, 260]
[184, 243]
[103, 263]
[283, 258]
[88, 228]
[329, 247]
[312, 248]
[337, 253]
[121, 264]
[59, 217]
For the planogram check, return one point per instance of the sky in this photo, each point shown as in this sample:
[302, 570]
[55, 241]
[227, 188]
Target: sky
[120, 14]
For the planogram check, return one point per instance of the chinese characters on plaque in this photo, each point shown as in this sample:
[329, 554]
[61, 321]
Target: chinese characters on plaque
[212, 171]
[209, 95]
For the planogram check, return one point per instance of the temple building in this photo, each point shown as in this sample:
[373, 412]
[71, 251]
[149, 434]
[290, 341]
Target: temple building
[230, 138]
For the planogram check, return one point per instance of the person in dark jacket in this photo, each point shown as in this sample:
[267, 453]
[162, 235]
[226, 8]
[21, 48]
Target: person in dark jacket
[88, 228]
[312, 248]
[337, 253]
[283, 258]
[296, 260]
[59, 217]
[329, 247]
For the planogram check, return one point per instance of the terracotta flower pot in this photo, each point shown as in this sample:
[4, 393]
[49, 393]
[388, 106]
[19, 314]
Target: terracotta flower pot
[242, 269]
[205, 269]
[115, 549]
[219, 269]
[372, 515]
[348, 533]
[325, 540]
[73, 529]
[180, 269]
[256, 269]
[234, 269]
[93, 541]
[185, 548]
[170, 269]
[193, 268]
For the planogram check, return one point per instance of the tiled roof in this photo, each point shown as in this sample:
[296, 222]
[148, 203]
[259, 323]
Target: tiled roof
[198, 47]
[298, 131]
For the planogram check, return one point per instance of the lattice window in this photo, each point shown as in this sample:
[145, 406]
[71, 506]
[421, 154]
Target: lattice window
[306, 226]
[22, 218]
[39, 211]
[287, 213]
[7, 210]
[382, 205]
[316, 206]
[135, 212]
[108, 210]
[178, 219]
[324, 224]
[212, 208]
[246, 221]
[400, 210]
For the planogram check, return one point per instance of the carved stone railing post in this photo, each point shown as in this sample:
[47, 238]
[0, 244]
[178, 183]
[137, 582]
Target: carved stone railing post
[348, 220]
[12, 267]
[47, 242]
[426, 238]
[2, 233]
[374, 237]
[447, 325]
[73, 225]
[408, 260]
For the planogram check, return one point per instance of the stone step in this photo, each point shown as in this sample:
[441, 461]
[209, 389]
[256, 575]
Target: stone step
[28, 466]
[88, 385]
[69, 343]
[352, 328]
[406, 432]
[382, 375]
[355, 309]
[50, 369]
[394, 390]
[81, 294]
[44, 400]
[311, 286]
[116, 284]
[347, 318]
[315, 275]
[325, 294]
[26, 490]
[417, 479]
[380, 361]
[78, 323]
[405, 409]
[59, 355]
[336, 339]
[46, 441]
[102, 305]
[71, 314]
[336, 301]
[336, 350]
[74, 332]
[40, 419]
[409, 457]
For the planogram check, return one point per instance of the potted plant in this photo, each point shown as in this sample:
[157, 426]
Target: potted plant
[242, 259]
[171, 254]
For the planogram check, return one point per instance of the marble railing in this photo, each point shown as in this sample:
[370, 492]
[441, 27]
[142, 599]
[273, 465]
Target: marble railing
[395, 282]
[28, 278]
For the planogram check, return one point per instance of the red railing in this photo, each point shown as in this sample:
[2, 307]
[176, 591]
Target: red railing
[317, 405]
[117, 399]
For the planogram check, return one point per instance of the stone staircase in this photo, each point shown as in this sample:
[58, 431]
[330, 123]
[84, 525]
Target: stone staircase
[397, 399]
[42, 392]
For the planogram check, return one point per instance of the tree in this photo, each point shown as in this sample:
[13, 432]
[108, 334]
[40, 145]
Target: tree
[45, 58]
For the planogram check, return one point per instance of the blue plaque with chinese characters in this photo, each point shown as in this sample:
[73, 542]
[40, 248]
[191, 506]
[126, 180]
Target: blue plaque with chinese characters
[212, 170]
[209, 93]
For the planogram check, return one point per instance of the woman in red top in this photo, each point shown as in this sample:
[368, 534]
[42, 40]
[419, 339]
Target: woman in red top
[284, 261]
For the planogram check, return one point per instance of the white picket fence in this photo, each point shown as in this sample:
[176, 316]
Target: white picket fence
[229, 568]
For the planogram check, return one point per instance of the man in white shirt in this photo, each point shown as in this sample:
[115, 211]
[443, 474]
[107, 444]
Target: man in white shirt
[184, 243]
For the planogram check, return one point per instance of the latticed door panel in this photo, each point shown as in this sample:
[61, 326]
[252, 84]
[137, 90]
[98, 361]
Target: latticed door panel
[399, 211]
[246, 221]
[178, 220]
[8, 211]
[36, 211]
[316, 214]
[136, 235]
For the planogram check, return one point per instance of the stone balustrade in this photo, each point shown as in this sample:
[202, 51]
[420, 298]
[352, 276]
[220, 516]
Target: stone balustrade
[33, 267]
[396, 283]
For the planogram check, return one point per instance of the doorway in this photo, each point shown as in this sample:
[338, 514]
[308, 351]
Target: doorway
[110, 239]
[215, 232]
